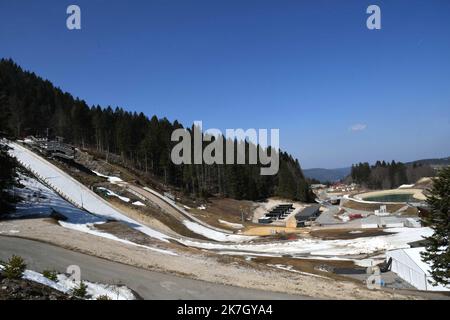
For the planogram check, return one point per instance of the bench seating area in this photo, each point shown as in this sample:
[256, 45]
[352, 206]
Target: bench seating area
[278, 213]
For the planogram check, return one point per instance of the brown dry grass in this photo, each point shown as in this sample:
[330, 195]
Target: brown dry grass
[410, 212]
[86, 179]
[309, 265]
[225, 209]
[371, 206]
[146, 214]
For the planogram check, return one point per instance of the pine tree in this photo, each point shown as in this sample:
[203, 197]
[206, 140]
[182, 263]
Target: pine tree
[7, 179]
[437, 248]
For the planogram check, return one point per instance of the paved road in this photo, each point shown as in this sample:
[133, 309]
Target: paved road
[148, 284]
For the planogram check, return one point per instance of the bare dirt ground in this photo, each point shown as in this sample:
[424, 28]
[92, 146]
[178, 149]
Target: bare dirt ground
[156, 218]
[226, 209]
[271, 230]
[322, 268]
[194, 263]
[371, 206]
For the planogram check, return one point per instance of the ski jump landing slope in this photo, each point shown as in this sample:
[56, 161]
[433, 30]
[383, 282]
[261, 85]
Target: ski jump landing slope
[74, 191]
[82, 197]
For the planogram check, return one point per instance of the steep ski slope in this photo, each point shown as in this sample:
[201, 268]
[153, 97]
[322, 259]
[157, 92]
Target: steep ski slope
[84, 198]
[74, 191]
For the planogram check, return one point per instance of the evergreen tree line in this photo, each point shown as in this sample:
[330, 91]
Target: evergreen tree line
[7, 179]
[31, 105]
[7, 172]
[385, 175]
[437, 252]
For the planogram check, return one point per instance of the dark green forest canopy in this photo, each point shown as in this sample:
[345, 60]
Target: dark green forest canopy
[31, 105]
[385, 175]
[7, 172]
[437, 248]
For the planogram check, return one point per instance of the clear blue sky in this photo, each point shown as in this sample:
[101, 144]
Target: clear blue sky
[310, 68]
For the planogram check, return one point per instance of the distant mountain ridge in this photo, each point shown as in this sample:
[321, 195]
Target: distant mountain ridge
[327, 175]
[434, 162]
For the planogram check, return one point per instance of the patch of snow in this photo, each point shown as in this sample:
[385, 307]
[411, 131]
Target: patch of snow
[291, 269]
[38, 199]
[113, 194]
[365, 263]
[90, 228]
[399, 238]
[139, 204]
[79, 194]
[39, 278]
[94, 290]
[111, 179]
[202, 207]
[185, 213]
[213, 234]
[232, 225]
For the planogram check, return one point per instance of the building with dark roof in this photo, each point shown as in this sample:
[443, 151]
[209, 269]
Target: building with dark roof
[308, 214]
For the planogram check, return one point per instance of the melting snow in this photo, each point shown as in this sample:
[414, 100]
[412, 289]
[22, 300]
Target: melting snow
[111, 179]
[38, 199]
[94, 290]
[113, 194]
[317, 247]
[213, 234]
[291, 269]
[232, 225]
[76, 192]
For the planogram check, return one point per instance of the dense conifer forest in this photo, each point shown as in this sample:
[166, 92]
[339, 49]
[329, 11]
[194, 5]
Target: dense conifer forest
[30, 105]
[388, 175]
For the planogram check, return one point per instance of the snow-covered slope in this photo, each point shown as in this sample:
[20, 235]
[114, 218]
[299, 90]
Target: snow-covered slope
[77, 193]
[84, 198]
[37, 199]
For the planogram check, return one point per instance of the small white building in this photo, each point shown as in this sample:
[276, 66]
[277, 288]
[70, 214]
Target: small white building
[382, 211]
[408, 265]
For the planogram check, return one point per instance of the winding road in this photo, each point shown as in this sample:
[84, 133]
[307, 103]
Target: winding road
[147, 284]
